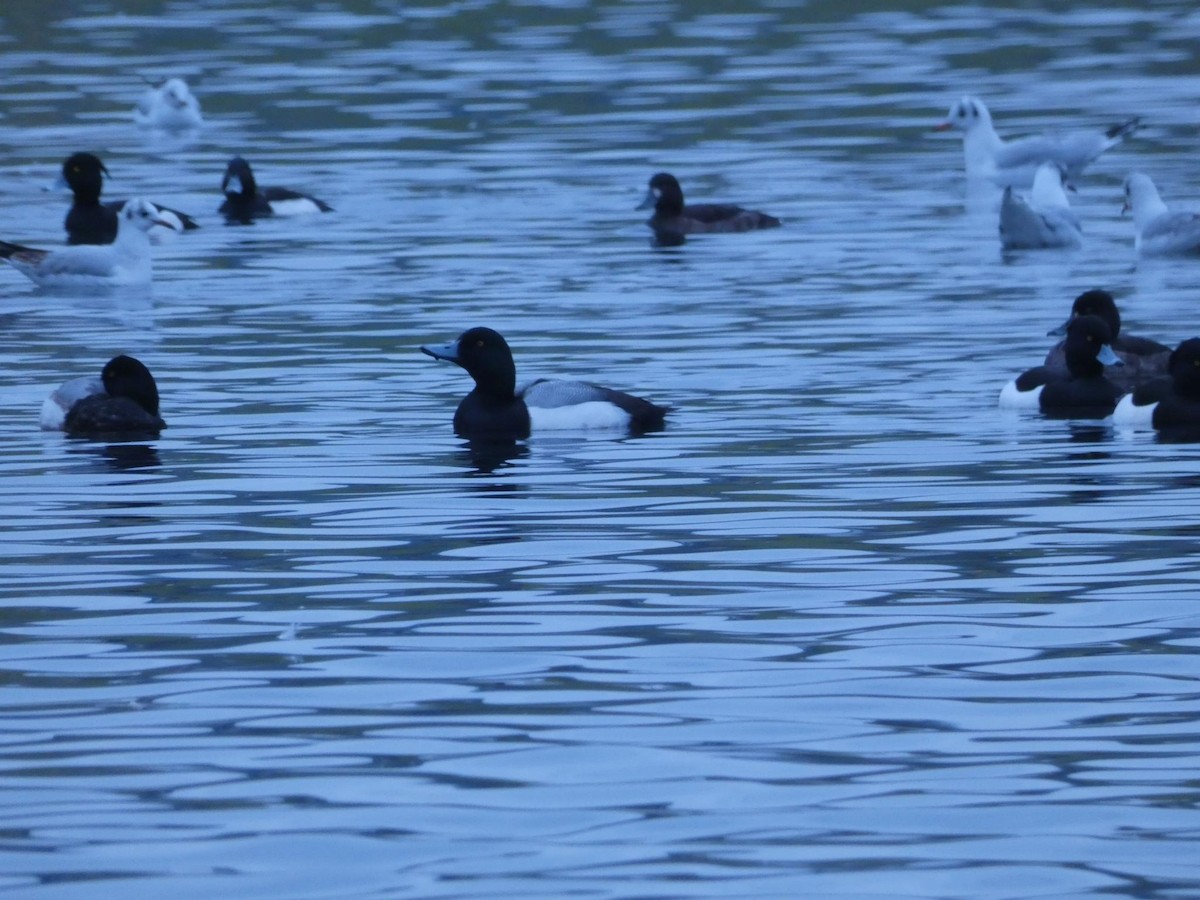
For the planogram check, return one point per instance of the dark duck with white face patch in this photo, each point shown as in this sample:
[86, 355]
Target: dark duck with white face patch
[673, 217]
[250, 202]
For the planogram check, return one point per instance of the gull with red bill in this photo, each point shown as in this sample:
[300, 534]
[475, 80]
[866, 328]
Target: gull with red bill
[1013, 163]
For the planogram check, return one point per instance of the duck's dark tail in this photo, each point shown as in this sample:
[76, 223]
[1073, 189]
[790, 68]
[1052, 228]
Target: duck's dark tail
[185, 220]
[644, 416]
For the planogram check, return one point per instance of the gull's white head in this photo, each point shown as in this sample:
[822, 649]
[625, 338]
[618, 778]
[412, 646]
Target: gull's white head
[142, 215]
[175, 91]
[966, 114]
[1142, 199]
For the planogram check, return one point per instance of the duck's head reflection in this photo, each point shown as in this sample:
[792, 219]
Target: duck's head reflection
[487, 455]
[121, 457]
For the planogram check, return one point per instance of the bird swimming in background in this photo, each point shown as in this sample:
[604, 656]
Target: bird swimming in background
[1170, 406]
[1013, 163]
[1144, 359]
[1082, 391]
[170, 106]
[673, 218]
[497, 409]
[123, 401]
[1157, 230]
[125, 261]
[1044, 219]
[90, 221]
[250, 201]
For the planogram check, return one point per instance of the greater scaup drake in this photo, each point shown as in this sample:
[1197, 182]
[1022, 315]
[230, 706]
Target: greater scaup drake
[1172, 405]
[125, 261]
[1158, 231]
[1013, 163]
[1044, 219]
[250, 201]
[91, 222]
[673, 219]
[1144, 359]
[1082, 392]
[170, 106]
[496, 409]
[122, 402]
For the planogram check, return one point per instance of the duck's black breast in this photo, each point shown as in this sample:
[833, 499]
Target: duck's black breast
[1079, 398]
[91, 223]
[1178, 417]
[1175, 410]
[479, 415]
[242, 208]
[102, 414]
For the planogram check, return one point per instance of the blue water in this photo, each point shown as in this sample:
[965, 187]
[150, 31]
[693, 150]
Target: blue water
[844, 628]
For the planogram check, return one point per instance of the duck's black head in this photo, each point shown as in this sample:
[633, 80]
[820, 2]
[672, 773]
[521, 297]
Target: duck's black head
[124, 376]
[84, 175]
[665, 195]
[1185, 368]
[1089, 347]
[487, 358]
[239, 169]
[1098, 303]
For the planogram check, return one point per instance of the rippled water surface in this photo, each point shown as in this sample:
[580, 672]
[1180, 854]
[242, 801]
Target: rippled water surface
[844, 628]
